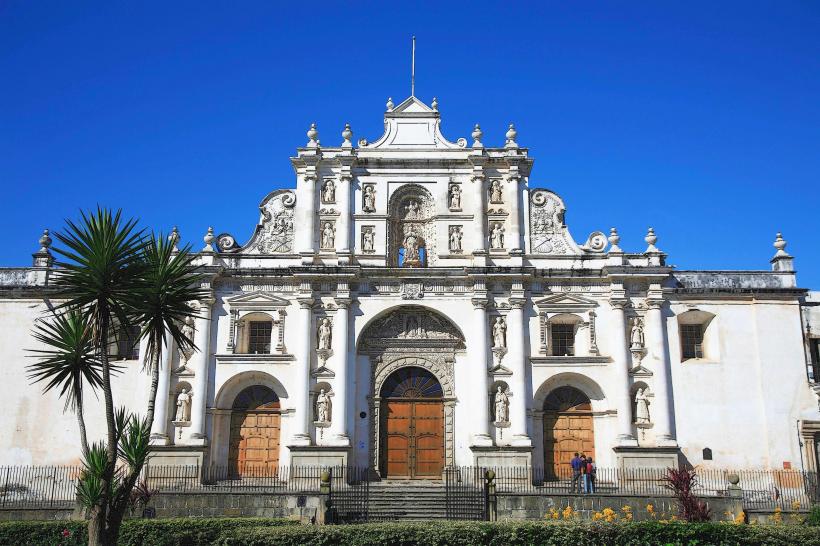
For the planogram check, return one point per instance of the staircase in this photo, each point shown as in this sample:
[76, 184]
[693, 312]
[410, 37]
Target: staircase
[392, 500]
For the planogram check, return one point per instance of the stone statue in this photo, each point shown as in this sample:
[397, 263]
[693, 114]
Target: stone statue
[412, 210]
[329, 193]
[495, 192]
[411, 251]
[328, 236]
[325, 334]
[183, 406]
[322, 407]
[641, 407]
[636, 336]
[369, 199]
[368, 240]
[185, 354]
[455, 239]
[501, 400]
[499, 333]
[455, 196]
[497, 236]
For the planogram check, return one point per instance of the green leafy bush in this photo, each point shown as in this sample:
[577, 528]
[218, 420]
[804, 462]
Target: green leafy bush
[814, 516]
[278, 532]
[135, 532]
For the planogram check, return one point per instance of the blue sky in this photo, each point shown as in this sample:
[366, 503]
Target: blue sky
[701, 119]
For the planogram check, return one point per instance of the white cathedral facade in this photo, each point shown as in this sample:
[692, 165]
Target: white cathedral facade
[416, 303]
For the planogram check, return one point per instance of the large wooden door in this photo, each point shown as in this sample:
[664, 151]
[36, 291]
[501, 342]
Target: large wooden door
[413, 425]
[568, 429]
[255, 433]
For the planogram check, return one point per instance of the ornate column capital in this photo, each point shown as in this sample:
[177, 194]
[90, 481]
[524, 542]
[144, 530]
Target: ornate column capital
[517, 302]
[655, 303]
[479, 303]
[478, 177]
[343, 303]
[619, 304]
[305, 302]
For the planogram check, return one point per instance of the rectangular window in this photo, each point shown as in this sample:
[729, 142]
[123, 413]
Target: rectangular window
[814, 345]
[563, 339]
[259, 332]
[691, 340]
[128, 343]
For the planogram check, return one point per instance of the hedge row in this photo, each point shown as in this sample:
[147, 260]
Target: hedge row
[267, 532]
[135, 532]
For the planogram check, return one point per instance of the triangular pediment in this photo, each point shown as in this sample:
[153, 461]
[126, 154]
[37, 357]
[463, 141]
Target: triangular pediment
[565, 301]
[256, 300]
[412, 105]
[412, 125]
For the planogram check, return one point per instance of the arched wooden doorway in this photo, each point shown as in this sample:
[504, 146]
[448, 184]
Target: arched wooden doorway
[568, 429]
[412, 427]
[255, 428]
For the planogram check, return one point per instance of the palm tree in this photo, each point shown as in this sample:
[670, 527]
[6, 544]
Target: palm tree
[68, 362]
[97, 274]
[163, 301]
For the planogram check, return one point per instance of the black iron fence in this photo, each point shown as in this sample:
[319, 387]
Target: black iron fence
[54, 487]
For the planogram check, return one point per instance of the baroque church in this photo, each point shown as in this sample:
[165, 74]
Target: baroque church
[415, 303]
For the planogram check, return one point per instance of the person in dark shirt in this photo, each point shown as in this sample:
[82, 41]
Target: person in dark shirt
[576, 465]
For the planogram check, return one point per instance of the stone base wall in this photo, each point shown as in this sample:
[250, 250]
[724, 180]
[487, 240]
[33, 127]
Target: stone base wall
[537, 507]
[187, 504]
[39, 514]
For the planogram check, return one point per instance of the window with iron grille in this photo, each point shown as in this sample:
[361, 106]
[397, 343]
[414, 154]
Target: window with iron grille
[563, 339]
[691, 340]
[259, 332]
[128, 346]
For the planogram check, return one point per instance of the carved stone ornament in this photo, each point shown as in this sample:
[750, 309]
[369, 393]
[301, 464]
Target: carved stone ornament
[496, 193]
[368, 239]
[183, 413]
[369, 198]
[548, 234]
[412, 291]
[328, 235]
[412, 326]
[454, 196]
[497, 236]
[501, 403]
[455, 239]
[329, 191]
[274, 233]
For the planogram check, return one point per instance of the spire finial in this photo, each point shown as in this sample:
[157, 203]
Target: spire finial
[651, 239]
[780, 245]
[413, 69]
[477, 134]
[511, 135]
[347, 134]
[614, 239]
[313, 135]
[209, 240]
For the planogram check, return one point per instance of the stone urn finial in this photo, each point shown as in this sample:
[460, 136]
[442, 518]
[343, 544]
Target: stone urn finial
[651, 239]
[173, 238]
[780, 245]
[209, 239]
[614, 239]
[313, 135]
[477, 134]
[511, 136]
[390, 104]
[347, 134]
[45, 242]
[434, 104]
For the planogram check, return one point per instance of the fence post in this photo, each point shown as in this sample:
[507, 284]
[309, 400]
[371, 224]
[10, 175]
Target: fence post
[325, 513]
[735, 493]
[490, 497]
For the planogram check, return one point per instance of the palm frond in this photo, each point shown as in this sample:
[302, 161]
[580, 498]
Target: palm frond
[134, 443]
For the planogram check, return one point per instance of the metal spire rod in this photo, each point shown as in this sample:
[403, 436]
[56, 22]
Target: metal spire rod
[413, 70]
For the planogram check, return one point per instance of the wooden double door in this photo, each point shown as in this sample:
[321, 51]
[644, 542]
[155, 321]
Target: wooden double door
[413, 439]
[255, 433]
[568, 429]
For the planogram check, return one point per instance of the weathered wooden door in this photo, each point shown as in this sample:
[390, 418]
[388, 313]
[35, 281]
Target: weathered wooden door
[255, 433]
[415, 439]
[412, 425]
[568, 429]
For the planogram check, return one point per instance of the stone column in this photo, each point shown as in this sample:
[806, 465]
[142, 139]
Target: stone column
[658, 349]
[479, 359]
[517, 362]
[306, 219]
[513, 198]
[159, 429]
[479, 214]
[201, 360]
[301, 383]
[340, 410]
[621, 358]
[343, 245]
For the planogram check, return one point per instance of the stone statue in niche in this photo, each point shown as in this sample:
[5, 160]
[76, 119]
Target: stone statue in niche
[455, 238]
[636, 335]
[413, 328]
[185, 354]
[499, 333]
[455, 197]
[411, 251]
[501, 406]
[183, 407]
[368, 240]
[324, 334]
[329, 192]
[328, 236]
[495, 192]
[642, 407]
[497, 236]
[412, 211]
[369, 199]
[323, 407]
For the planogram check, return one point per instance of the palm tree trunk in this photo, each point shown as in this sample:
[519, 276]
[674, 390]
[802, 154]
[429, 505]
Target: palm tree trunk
[78, 396]
[98, 526]
[156, 361]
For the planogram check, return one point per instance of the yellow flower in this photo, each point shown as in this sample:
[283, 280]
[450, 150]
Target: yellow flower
[597, 516]
[777, 517]
[740, 518]
[568, 513]
[553, 514]
[609, 515]
[627, 512]
[795, 505]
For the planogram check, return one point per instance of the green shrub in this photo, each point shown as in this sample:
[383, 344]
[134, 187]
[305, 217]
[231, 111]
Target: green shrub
[135, 532]
[278, 532]
[814, 516]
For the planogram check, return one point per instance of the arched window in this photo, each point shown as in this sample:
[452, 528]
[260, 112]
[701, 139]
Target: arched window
[697, 333]
[256, 397]
[563, 338]
[412, 382]
[256, 334]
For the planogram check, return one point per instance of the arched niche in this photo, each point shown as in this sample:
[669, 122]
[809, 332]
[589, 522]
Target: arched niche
[411, 232]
